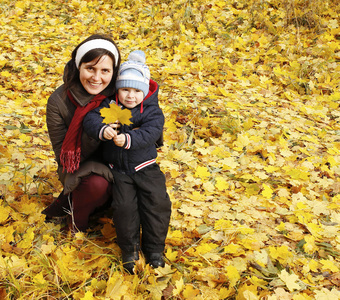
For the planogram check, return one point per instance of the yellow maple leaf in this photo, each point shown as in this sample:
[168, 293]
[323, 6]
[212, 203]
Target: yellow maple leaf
[39, 280]
[182, 27]
[241, 142]
[246, 230]
[314, 229]
[329, 265]
[257, 281]
[192, 211]
[155, 287]
[248, 124]
[6, 232]
[282, 254]
[225, 293]
[196, 196]
[208, 187]
[88, 296]
[199, 89]
[267, 191]
[5, 74]
[27, 240]
[298, 174]
[223, 224]
[205, 248]
[48, 249]
[98, 285]
[115, 113]
[312, 265]
[14, 263]
[116, 286]
[310, 246]
[290, 280]
[234, 249]
[175, 237]
[171, 255]
[233, 275]
[4, 213]
[183, 156]
[223, 91]
[221, 184]
[39, 69]
[281, 227]
[179, 287]
[202, 172]
[190, 292]
[229, 163]
[246, 292]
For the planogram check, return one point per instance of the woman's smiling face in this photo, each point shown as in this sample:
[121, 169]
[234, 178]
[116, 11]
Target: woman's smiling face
[96, 75]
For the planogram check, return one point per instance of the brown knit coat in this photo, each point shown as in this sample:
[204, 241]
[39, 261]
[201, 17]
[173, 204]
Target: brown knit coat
[59, 113]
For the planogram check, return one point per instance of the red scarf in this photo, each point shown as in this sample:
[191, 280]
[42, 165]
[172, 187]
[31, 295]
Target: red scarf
[71, 148]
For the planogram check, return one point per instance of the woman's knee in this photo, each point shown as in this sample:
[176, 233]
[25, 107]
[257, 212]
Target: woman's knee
[95, 184]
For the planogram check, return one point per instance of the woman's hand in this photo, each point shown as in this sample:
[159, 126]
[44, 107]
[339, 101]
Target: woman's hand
[120, 140]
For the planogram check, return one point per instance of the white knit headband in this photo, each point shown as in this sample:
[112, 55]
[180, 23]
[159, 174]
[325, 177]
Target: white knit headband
[96, 44]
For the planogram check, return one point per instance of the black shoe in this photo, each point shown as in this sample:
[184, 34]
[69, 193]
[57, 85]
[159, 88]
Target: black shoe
[129, 261]
[58, 208]
[155, 260]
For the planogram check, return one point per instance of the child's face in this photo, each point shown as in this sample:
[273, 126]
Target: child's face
[130, 97]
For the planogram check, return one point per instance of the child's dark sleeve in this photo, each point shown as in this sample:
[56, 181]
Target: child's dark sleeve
[93, 121]
[149, 131]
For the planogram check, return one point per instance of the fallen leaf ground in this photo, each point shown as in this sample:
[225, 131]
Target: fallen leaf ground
[250, 91]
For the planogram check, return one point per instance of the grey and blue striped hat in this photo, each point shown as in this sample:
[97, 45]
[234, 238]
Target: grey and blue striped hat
[134, 73]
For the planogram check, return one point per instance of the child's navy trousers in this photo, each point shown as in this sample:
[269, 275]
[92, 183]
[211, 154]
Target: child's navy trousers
[141, 204]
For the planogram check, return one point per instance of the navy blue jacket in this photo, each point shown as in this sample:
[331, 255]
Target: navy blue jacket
[140, 149]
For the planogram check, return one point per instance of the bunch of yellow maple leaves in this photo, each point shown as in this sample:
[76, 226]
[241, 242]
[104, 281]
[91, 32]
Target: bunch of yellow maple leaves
[250, 91]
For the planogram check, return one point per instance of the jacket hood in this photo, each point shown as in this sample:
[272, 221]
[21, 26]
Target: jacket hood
[150, 99]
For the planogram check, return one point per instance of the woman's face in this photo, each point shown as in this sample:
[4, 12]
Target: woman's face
[95, 77]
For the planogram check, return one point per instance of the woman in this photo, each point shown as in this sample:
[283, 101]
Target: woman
[89, 77]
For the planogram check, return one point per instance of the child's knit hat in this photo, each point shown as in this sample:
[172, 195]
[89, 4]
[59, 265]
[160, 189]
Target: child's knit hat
[134, 73]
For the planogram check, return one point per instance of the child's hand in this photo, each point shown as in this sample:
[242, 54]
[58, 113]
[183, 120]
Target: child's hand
[120, 140]
[115, 126]
[109, 133]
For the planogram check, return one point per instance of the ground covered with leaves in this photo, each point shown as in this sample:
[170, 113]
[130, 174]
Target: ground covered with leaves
[250, 91]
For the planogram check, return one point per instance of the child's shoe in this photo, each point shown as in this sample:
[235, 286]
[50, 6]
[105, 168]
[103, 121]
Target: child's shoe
[129, 261]
[155, 260]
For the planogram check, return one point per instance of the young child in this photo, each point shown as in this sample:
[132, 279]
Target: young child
[139, 198]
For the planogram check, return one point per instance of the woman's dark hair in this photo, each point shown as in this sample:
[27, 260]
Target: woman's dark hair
[71, 75]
